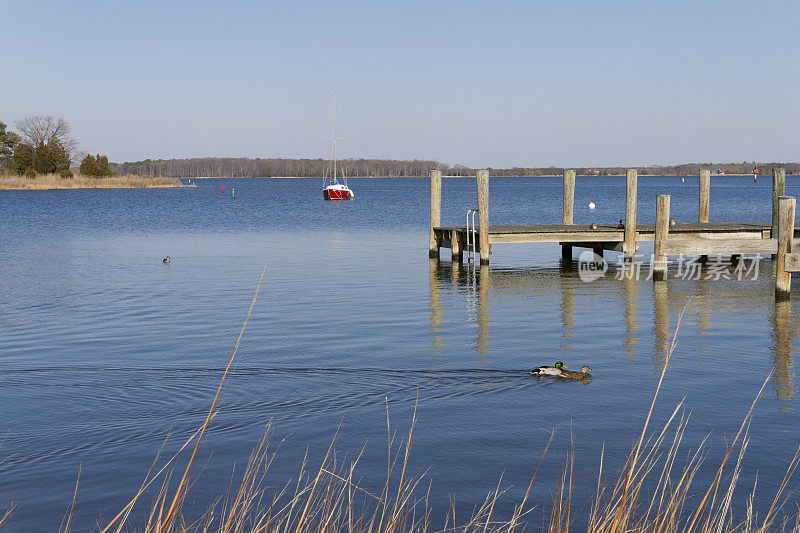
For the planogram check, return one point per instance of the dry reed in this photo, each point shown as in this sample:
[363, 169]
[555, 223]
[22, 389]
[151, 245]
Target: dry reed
[55, 181]
[650, 492]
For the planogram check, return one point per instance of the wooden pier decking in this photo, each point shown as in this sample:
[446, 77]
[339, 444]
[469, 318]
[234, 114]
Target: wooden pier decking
[777, 238]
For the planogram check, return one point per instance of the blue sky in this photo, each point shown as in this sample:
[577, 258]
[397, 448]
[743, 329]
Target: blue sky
[480, 83]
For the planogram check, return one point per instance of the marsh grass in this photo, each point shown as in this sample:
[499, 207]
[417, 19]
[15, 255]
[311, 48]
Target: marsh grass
[78, 181]
[657, 489]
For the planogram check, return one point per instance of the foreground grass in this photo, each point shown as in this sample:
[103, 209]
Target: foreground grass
[655, 490]
[55, 181]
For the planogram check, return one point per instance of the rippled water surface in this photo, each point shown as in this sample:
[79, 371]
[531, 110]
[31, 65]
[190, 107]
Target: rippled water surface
[105, 351]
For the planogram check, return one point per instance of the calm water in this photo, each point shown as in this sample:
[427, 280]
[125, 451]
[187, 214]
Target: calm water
[104, 350]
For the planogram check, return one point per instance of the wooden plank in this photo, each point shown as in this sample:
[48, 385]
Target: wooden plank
[569, 196]
[699, 246]
[630, 213]
[436, 211]
[483, 214]
[662, 233]
[497, 238]
[791, 262]
[783, 278]
[705, 194]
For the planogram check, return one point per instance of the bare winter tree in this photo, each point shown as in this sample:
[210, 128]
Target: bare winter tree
[38, 129]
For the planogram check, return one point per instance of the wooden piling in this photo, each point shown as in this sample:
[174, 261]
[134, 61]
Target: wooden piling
[778, 190]
[705, 202]
[569, 195]
[705, 194]
[783, 279]
[569, 202]
[662, 232]
[483, 214]
[629, 246]
[455, 247]
[436, 211]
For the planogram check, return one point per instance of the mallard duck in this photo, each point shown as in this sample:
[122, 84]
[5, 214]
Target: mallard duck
[572, 374]
[621, 225]
[556, 370]
[560, 371]
[166, 260]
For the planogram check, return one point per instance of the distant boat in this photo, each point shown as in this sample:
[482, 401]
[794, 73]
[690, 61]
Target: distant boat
[331, 188]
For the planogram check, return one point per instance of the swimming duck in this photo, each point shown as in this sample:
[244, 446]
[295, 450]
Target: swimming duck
[166, 260]
[559, 370]
[556, 370]
[572, 374]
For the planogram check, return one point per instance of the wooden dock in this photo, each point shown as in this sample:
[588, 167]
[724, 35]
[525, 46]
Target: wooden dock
[777, 238]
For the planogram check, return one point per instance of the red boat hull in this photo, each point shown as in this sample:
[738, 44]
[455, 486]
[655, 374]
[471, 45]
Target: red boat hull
[336, 194]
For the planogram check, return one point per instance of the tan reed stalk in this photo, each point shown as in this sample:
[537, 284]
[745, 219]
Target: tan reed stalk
[66, 521]
[180, 490]
[619, 515]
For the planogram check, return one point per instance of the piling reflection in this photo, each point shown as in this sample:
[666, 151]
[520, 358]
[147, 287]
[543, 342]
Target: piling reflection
[630, 285]
[435, 305]
[567, 309]
[783, 378]
[661, 334]
[481, 344]
[713, 305]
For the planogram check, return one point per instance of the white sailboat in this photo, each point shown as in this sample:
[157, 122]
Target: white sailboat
[332, 189]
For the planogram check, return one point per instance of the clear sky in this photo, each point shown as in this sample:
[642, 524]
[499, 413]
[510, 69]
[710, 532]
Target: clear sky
[501, 83]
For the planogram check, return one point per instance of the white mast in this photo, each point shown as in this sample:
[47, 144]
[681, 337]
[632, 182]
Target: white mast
[334, 138]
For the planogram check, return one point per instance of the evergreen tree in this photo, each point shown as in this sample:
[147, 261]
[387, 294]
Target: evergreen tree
[51, 157]
[8, 140]
[43, 161]
[22, 158]
[89, 166]
[104, 169]
[59, 154]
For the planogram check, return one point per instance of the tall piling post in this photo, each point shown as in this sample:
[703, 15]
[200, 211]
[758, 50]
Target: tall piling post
[629, 246]
[662, 232]
[483, 214]
[569, 202]
[705, 201]
[778, 190]
[705, 195]
[436, 212]
[783, 279]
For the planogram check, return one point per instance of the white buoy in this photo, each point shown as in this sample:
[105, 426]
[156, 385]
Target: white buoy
[591, 205]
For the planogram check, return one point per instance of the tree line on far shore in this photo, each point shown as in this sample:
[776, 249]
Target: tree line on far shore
[237, 167]
[44, 145]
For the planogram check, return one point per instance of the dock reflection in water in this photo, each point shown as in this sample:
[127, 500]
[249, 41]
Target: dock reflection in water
[648, 309]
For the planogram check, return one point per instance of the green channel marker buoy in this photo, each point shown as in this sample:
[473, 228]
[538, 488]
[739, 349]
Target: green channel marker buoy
[233, 193]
